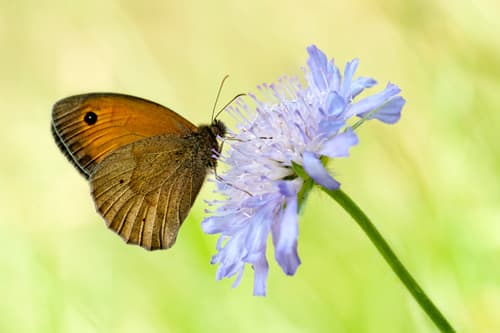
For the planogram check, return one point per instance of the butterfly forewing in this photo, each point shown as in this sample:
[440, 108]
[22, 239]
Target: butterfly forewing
[88, 127]
[144, 190]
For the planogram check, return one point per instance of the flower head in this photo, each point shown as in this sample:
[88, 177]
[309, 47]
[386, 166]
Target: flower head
[291, 124]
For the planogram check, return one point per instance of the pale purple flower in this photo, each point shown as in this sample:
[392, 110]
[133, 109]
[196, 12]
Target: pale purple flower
[290, 123]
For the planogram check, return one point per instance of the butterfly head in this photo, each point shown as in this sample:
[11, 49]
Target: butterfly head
[218, 128]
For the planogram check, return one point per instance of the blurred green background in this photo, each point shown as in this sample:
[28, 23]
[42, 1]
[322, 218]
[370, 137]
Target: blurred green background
[430, 183]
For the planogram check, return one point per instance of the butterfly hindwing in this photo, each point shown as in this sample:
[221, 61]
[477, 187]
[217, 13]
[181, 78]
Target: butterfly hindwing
[144, 190]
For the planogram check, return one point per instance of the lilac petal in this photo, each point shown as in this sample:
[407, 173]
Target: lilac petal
[214, 224]
[220, 243]
[389, 113]
[285, 238]
[318, 63]
[373, 102]
[285, 232]
[256, 238]
[227, 270]
[316, 170]
[261, 268]
[230, 257]
[237, 281]
[360, 84]
[335, 104]
[336, 78]
[287, 189]
[257, 202]
[330, 127]
[224, 224]
[349, 70]
[340, 144]
[210, 225]
[325, 75]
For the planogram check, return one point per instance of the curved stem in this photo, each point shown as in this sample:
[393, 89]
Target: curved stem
[383, 247]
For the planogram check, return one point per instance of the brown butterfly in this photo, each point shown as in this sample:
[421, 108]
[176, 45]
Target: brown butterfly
[145, 163]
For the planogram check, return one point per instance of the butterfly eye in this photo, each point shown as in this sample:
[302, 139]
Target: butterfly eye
[218, 128]
[90, 118]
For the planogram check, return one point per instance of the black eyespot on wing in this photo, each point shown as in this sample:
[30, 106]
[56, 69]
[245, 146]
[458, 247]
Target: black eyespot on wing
[90, 118]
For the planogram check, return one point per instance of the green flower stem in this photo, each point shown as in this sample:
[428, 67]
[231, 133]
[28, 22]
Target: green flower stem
[364, 222]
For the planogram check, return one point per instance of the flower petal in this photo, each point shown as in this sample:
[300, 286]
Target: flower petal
[230, 257]
[325, 75]
[349, 71]
[224, 224]
[360, 84]
[238, 278]
[336, 78]
[329, 127]
[285, 232]
[373, 102]
[340, 144]
[335, 104]
[316, 170]
[332, 122]
[389, 113]
[261, 268]
[318, 63]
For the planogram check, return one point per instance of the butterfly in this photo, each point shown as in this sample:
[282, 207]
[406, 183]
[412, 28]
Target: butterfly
[145, 163]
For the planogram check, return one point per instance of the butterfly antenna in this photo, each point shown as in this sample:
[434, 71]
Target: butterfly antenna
[218, 94]
[225, 106]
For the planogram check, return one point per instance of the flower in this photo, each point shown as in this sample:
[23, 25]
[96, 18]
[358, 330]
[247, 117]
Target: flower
[291, 124]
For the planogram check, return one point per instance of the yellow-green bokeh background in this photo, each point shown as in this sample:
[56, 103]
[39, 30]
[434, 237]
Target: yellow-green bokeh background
[430, 183]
